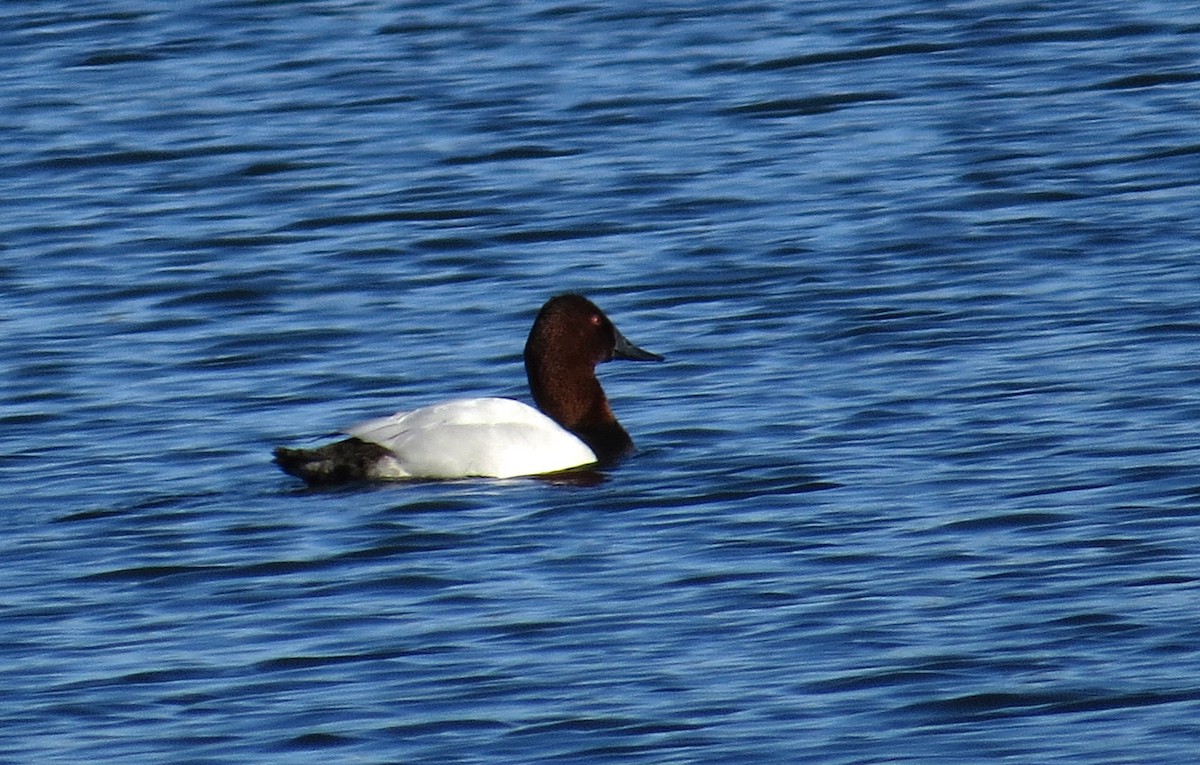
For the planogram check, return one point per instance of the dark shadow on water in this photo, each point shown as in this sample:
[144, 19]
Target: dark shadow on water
[574, 478]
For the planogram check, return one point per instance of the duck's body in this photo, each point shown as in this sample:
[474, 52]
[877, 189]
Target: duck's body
[497, 437]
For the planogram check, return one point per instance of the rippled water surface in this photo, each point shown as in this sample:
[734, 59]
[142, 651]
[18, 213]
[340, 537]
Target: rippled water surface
[920, 481]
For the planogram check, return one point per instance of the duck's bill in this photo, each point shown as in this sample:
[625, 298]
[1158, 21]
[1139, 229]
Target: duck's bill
[630, 352]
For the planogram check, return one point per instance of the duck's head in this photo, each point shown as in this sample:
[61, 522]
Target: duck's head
[571, 330]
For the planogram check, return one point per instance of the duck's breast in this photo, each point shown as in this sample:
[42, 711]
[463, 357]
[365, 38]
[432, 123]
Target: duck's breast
[494, 437]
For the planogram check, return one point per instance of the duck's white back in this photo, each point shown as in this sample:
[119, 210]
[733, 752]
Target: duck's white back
[494, 437]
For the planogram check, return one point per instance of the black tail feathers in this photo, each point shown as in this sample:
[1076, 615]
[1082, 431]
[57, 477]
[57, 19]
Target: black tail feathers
[345, 461]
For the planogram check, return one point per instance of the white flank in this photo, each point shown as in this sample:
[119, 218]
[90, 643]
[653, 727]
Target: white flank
[492, 437]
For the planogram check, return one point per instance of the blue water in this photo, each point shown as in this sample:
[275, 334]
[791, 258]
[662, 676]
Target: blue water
[920, 482]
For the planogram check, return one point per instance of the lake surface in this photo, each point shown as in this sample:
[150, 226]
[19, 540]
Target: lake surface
[920, 481]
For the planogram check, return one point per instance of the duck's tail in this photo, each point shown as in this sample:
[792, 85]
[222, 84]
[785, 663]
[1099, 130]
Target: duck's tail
[345, 461]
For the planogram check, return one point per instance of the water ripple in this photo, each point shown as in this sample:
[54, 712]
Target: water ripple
[916, 484]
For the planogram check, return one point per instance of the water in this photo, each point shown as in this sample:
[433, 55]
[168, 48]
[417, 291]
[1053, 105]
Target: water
[918, 484]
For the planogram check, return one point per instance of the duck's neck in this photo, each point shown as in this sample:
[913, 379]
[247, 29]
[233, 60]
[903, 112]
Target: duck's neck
[575, 400]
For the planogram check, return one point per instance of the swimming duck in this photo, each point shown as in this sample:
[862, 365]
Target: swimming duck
[572, 427]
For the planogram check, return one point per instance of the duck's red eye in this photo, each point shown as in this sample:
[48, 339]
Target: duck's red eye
[595, 319]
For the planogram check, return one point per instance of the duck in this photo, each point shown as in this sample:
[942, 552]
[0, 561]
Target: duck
[572, 427]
